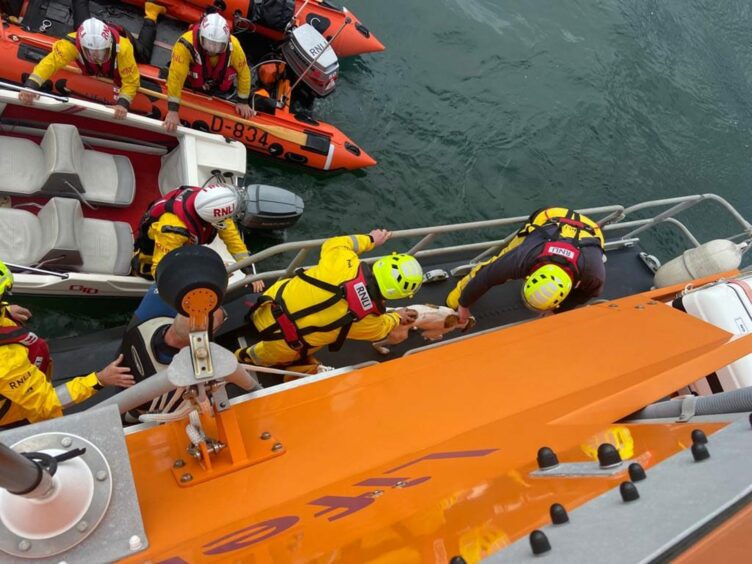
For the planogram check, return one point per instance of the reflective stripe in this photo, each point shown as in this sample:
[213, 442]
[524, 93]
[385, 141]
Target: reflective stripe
[173, 99]
[329, 157]
[356, 246]
[126, 97]
[251, 352]
[63, 395]
[36, 78]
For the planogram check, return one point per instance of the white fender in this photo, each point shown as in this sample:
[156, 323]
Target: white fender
[709, 258]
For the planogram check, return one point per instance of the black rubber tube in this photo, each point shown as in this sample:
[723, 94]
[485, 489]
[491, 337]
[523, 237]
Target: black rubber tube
[18, 474]
[734, 401]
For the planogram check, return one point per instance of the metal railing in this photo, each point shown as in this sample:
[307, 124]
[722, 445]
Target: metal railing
[612, 219]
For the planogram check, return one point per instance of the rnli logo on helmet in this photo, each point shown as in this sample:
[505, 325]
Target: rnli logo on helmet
[362, 293]
[562, 252]
[224, 212]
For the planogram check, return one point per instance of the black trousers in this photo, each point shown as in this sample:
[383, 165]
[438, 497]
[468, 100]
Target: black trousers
[142, 46]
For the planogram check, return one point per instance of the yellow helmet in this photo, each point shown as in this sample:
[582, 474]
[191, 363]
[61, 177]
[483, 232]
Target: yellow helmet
[398, 276]
[6, 279]
[546, 287]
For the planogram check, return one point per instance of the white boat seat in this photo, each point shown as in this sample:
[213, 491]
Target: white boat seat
[60, 166]
[61, 238]
[194, 159]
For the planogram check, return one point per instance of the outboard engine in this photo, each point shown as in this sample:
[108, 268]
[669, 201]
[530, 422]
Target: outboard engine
[267, 207]
[303, 45]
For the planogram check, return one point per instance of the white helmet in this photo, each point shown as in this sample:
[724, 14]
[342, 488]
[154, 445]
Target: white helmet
[215, 203]
[214, 34]
[95, 39]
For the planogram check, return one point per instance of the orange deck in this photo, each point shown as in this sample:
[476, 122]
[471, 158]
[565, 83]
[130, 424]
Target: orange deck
[428, 456]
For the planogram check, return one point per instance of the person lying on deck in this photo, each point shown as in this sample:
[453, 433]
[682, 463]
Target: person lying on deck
[100, 49]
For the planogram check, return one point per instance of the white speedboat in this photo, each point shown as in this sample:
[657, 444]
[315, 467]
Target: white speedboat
[75, 183]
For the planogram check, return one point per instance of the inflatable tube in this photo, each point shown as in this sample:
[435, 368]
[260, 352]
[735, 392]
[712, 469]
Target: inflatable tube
[355, 38]
[323, 147]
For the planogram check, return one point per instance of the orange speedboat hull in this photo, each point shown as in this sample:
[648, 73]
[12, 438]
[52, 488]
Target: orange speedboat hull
[355, 38]
[326, 148]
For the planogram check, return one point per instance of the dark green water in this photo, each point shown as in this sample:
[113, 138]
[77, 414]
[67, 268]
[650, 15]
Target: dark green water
[489, 108]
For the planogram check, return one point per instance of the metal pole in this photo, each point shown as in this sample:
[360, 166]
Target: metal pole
[36, 270]
[18, 474]
[39, 92]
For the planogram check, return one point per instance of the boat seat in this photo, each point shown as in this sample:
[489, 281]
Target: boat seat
[192, 162]
[60, 237]
[60, 166]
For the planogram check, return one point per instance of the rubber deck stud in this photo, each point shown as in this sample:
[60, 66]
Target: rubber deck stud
[539, 542]
[558, 514]
[608, 456]
[628, 491]
[699, 437]
[700, 452]
[547, 458]
[636, 472]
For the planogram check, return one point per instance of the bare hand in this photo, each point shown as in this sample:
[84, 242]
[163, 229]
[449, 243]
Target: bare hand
[407, 315]
[464, 314]
[258, 286]
[380, 236]
[243, 109]
[115, 375]
[27, 97]
[171, 121]
[120, 112]
[18, 313]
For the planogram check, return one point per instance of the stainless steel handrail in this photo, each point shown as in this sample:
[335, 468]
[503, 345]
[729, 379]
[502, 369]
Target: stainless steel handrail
[612, 218]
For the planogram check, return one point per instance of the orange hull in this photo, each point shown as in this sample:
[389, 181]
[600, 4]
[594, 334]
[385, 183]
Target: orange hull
[326, 149]
[355, 39]
[427, 456]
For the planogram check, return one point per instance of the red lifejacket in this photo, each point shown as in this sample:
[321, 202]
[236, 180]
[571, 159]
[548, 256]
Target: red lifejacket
[201, 74]
[36, 347]
[109, 68]
[563, 251]
[181, 202]
[355, 292]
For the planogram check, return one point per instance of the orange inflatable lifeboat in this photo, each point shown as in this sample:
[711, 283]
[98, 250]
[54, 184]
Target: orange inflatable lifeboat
[282, 136]
[355, 38]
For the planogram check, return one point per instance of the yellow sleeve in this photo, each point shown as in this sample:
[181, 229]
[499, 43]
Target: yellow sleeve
[356, 243]
[63, 52]
[233, 241]
[128, 69]
[180, 63]
[28, 388]
[168, 233]
[239, 62]
[373, 327]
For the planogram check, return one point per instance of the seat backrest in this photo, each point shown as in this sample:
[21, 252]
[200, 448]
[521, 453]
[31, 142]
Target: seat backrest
[20, 236]
[57, 221]
[63, 153]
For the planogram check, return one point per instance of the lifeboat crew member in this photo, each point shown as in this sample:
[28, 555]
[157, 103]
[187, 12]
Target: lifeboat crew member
[26, 393]
[155, 334]
[188, 215]
[558, 253]
[100, 49]
[339, 298]
[208, 59]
